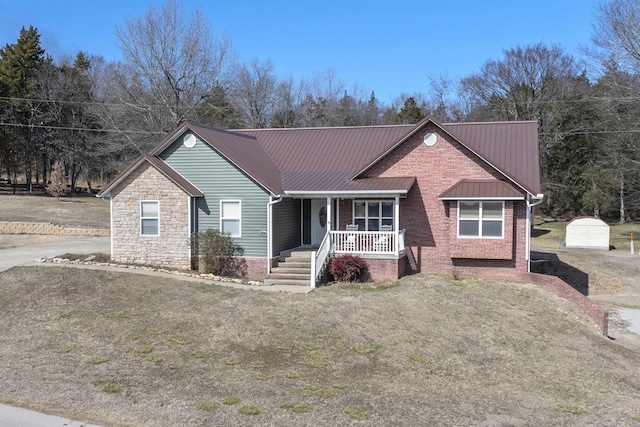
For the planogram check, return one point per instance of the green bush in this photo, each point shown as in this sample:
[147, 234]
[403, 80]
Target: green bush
[214, 252]
[348, 268]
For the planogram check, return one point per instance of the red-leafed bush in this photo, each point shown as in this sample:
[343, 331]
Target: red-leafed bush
[347, 268]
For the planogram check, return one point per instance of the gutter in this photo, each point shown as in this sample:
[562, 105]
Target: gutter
[272, 202]
[537, 199]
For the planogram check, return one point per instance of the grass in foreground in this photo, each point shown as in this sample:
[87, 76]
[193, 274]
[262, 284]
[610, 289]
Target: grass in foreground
[138, 350]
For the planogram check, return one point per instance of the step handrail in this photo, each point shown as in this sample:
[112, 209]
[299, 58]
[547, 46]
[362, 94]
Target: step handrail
[318, 258]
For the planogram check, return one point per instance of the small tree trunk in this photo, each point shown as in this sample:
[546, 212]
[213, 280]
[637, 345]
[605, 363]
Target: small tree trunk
[623, 217]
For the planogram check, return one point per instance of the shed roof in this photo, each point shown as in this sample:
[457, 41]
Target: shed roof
[481, 189]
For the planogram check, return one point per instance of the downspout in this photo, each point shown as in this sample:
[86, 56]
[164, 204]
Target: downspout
[272, 202]
[109, 199]
[189, 226]
[537, 199]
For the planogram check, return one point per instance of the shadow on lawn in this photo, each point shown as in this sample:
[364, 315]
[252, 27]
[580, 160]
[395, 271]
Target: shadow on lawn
[549, 263]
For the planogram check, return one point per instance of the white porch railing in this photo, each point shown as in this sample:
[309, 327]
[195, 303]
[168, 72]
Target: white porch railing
[367, 242]
[318, 259]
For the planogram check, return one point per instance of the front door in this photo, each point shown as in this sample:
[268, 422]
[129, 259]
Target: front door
[318, 220]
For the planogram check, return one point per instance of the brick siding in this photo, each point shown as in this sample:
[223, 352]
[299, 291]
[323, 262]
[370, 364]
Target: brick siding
[431, 237]
[171, 247]
[381, 269]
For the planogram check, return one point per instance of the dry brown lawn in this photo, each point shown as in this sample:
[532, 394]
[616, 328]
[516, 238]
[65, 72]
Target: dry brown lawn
[129, 350]
[77, 211]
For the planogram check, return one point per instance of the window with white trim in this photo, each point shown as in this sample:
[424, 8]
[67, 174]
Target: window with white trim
[481, 219]
[370, 215]
[230, 217]
[149, 218]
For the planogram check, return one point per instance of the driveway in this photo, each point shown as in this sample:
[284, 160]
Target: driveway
[22, 249]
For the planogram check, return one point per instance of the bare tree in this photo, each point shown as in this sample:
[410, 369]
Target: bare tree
[254, 90]
[171, 63]
[616, 32]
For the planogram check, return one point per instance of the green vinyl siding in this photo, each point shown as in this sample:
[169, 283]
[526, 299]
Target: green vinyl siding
[218, 179]
[286, 225]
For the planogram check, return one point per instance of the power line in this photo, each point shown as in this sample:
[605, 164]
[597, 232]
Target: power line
[22, 125]
[141, 132]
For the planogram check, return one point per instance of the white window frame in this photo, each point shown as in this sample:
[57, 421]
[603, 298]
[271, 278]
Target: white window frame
[157, 218]
[366, 213]
[239, 218]
[480, 219]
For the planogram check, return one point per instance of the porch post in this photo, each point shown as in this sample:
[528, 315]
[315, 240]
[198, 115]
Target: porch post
[396, 223]
[329, 215]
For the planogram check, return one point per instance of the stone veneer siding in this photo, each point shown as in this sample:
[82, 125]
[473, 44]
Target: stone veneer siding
[431, 224]
[171, 246]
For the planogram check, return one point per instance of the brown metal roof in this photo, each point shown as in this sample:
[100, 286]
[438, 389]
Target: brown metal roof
[300, 160]
[481, 189]
[162, 167]
[511, 147]
[244, 151]
[324, 159]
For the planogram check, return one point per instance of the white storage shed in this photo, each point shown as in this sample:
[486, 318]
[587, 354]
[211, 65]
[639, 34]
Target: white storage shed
[588, 233]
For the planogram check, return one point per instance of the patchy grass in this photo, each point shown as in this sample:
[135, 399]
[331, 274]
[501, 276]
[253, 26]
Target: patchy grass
[436, 345]
[569, 409]
[417, 357]
[315, 359]
[249, 410]
[231, 400]
[201, 354]
[98, 360]
[364, 348]
[314, 390]
[112, 388]
[263, 376]
[357, 412]
[207, 406]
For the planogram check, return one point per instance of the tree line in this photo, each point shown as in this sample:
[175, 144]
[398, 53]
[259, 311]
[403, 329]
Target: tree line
[94, 116]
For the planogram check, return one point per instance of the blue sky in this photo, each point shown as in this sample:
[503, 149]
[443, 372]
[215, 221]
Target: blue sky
[389, 47]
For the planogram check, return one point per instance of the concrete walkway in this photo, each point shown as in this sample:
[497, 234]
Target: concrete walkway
[22, 249]
[10, 416]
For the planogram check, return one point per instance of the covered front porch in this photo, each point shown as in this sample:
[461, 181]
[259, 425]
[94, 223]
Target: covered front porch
[367, 226]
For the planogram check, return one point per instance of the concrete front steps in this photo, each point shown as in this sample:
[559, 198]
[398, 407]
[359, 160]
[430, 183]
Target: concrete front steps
[293, 269]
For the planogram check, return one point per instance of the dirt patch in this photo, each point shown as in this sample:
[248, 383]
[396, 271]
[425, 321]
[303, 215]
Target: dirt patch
[114, 348]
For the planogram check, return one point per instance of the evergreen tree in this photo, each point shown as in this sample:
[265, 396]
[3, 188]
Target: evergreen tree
[411, 112]
[19, 65]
